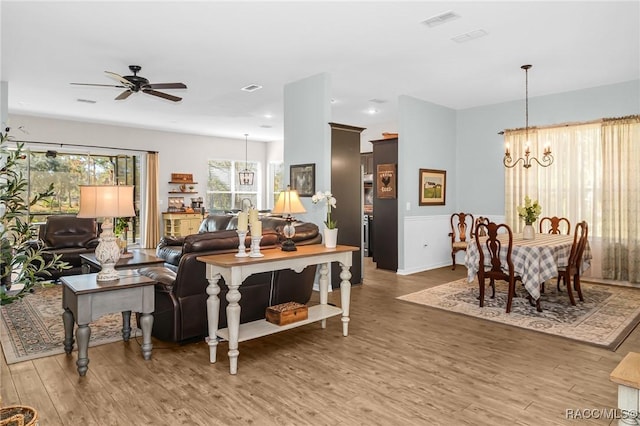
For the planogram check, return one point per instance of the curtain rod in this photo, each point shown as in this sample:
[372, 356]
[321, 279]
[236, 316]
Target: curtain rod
[80, 145]
[572, 123]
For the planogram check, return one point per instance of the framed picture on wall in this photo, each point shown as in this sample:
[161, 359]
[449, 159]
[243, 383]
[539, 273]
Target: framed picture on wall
[303, 179]
[433, 187]
[386, 179]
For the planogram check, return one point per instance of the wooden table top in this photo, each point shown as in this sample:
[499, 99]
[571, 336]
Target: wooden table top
[138, 259]
[229, 259]
[87, 283]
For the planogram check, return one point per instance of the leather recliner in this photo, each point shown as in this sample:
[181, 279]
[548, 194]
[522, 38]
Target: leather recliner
[69, 237]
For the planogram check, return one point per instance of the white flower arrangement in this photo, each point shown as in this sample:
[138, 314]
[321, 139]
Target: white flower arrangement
[330, 200]
[530, 212]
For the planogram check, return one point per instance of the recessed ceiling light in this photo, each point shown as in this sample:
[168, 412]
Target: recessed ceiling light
[251, 88]
[372, 111]
[268, 116]
[441, 18]
[472, 35]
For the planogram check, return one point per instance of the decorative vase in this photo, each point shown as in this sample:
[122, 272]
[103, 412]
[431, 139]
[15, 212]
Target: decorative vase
[528, 233]
[330, 237]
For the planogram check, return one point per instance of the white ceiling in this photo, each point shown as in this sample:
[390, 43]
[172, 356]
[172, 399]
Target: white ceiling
[372, 50]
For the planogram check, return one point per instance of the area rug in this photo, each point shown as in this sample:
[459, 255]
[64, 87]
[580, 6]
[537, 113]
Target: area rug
[606, 317]
[32, 327]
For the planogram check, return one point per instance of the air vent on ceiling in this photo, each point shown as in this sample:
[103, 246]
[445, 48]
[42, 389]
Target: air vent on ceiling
[377, 101]
[251, 88]
[441, 18]
[86, 101]
[266, 126]
[469, 36]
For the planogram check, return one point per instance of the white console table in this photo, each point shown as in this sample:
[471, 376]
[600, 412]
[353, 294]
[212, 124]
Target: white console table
[235, 270]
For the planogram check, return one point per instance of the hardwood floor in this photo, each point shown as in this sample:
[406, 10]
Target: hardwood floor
[401, 364]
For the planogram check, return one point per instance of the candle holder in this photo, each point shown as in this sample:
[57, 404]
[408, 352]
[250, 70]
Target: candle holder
[255, 246]
[241, 247]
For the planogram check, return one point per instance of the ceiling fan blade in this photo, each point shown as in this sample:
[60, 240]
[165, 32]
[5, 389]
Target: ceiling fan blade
[120, 78]
[162, 95]
[123, 95]
[100, 85]
[165, 86]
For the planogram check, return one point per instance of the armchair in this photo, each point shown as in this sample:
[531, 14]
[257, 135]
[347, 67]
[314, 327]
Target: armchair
[69, 237]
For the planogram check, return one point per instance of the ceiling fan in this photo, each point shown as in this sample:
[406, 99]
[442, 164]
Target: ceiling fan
[135, 83]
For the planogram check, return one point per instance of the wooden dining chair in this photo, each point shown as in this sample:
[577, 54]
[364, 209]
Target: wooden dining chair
[461, 229]
[575, 262]
[495, 267]
[555, 225]
[479, 220]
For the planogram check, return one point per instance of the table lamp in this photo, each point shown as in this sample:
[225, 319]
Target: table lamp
[288, 203]
[107, 201]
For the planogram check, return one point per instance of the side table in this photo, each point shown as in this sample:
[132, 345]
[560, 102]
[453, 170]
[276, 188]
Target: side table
[84, 300]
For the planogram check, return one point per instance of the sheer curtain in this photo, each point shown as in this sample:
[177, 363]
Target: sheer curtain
[621, 199]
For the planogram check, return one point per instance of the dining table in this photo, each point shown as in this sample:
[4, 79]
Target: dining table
[534, 260]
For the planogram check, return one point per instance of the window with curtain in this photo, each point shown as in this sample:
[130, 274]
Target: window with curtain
[224, 191]
[276, 182]
[595, 177]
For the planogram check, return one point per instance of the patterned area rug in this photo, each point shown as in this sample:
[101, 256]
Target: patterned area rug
[605, 318]
[32, 327]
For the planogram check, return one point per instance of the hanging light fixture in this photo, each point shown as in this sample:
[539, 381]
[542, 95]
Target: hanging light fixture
[246, 175]
[547, 158]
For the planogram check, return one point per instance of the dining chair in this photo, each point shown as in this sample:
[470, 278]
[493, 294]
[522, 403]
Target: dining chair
[461, 228]
[484, 220]
[496, 267]
[555, 225]
[575, 262]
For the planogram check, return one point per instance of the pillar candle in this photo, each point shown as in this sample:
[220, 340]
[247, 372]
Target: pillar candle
[253, 215]
[243, 221]
[256, 228]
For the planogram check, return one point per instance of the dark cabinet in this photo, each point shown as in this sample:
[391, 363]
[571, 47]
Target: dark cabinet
[385, 210]
[346, 186]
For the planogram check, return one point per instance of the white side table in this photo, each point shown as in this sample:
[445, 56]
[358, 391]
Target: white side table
[627, 376]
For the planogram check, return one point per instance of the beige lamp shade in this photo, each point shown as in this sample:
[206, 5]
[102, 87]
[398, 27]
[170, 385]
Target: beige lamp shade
[106, 201]
[288, 203]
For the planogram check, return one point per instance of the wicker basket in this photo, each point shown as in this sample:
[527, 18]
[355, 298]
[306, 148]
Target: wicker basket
[18, 415]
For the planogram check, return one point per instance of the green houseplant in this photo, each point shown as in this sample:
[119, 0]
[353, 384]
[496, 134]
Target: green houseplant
[22, 264]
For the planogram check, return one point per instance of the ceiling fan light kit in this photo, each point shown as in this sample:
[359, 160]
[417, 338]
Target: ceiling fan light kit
[135, 83]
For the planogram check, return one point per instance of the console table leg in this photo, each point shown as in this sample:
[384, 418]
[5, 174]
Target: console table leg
[345, 297]
[213, 313]
[83, 333]
[233, 322]
[323, 284]
[126, 325]
[67, 320]
[146, 324]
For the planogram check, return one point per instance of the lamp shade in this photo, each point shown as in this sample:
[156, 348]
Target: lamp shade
[106, 201]
[288, 203]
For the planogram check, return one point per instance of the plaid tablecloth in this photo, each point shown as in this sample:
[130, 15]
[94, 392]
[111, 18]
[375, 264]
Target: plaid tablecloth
[534, 260]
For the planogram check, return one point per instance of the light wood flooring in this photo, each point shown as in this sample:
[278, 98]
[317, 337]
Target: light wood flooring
[402, 364]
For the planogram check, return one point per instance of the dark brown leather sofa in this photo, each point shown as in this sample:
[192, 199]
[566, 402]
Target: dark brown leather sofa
[68, 236]
[180, 293]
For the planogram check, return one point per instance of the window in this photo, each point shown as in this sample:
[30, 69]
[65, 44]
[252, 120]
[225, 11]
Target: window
[67, 171]
[224, 191]
[276, 182]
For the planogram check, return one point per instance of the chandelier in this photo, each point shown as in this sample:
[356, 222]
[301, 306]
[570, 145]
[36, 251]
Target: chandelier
[527, 160]
[245, 176]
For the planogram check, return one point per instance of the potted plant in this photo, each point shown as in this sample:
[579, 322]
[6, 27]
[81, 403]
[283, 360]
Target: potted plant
[22, 263]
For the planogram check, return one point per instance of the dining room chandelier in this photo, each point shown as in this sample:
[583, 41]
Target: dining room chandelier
[527, 160]
[245, 176]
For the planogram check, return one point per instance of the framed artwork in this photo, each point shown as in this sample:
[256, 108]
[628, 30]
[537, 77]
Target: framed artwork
[433, 187]
[386, 180]
[303, 179]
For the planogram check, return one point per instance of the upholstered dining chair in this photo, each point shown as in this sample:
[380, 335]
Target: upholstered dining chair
[479, 220]
[461, 231]
[495, 267]
[555, 225]
[575, 261]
